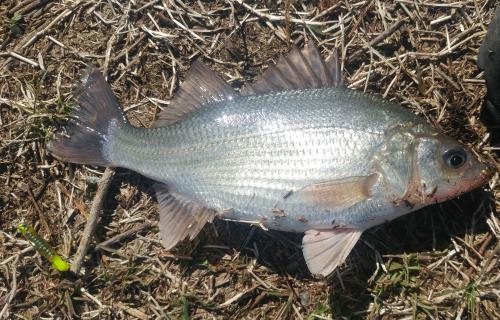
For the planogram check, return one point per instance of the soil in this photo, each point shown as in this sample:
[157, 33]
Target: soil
[441, 262]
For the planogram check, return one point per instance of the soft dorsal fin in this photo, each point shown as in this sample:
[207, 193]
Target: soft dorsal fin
[324, 250]
[299, 69]
[200, 87]
[180, 217]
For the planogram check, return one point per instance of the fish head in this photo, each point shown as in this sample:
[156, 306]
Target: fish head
[443, 169]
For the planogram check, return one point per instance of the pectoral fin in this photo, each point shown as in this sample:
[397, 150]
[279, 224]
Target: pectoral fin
[324, 250]
[339, 193]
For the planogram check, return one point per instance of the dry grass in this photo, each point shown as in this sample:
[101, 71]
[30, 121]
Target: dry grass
[441, 262]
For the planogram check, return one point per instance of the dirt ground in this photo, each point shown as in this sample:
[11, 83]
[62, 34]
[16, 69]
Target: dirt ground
[439, 263]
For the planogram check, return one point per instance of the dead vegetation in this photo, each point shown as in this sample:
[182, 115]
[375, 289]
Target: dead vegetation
[439, 263]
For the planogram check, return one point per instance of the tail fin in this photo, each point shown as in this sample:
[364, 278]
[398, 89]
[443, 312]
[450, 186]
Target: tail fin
[91, 123]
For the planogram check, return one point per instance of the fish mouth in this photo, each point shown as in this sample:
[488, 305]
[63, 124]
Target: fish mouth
[485, 175]
[472, 181]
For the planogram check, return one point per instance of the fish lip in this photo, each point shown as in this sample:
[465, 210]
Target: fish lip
[470, 184]
[485, 177]
[489, 170]
[486, 174]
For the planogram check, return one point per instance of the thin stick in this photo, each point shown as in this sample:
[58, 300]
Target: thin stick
[382, 36]
[486, 264]
[129, 48]
[271, 17]
[23, 59]
[26, 7]
[38, 210]
[56, 20]
[387, 32]
[125, 234]
[13, 290]
[95, 210]
[102, 190]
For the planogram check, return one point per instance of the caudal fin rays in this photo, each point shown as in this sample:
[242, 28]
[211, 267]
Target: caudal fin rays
[97, 111]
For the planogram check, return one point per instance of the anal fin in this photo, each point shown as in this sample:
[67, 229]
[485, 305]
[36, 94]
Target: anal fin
[324, 250]
[180, 217]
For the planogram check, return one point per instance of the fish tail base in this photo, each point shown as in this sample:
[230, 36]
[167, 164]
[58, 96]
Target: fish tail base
[93, 123]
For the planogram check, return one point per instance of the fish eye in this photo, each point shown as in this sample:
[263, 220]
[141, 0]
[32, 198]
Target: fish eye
[455, 158]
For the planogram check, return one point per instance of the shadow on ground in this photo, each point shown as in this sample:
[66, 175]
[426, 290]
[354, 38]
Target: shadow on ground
[419, 233]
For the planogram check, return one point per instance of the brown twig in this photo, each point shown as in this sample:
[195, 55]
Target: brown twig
[27, 6]
[125, 234]
[129, 48]
[485, 244]
[13, 290]
[38, 210]
[382, 36]
[102, 188]
[95, 211]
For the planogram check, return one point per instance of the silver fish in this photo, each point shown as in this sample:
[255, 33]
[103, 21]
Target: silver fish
[294, 151]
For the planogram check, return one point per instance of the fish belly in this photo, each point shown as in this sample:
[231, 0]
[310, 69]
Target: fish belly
[247, 157]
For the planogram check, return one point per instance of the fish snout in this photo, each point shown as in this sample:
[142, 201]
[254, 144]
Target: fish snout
[475, 177]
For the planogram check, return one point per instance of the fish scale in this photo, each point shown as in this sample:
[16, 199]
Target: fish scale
[291, 152]
[209, 158]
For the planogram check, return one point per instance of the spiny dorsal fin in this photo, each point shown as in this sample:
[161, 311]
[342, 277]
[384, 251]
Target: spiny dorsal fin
[299, 69]
[201, 86]
[332, 63]
[180, 217]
